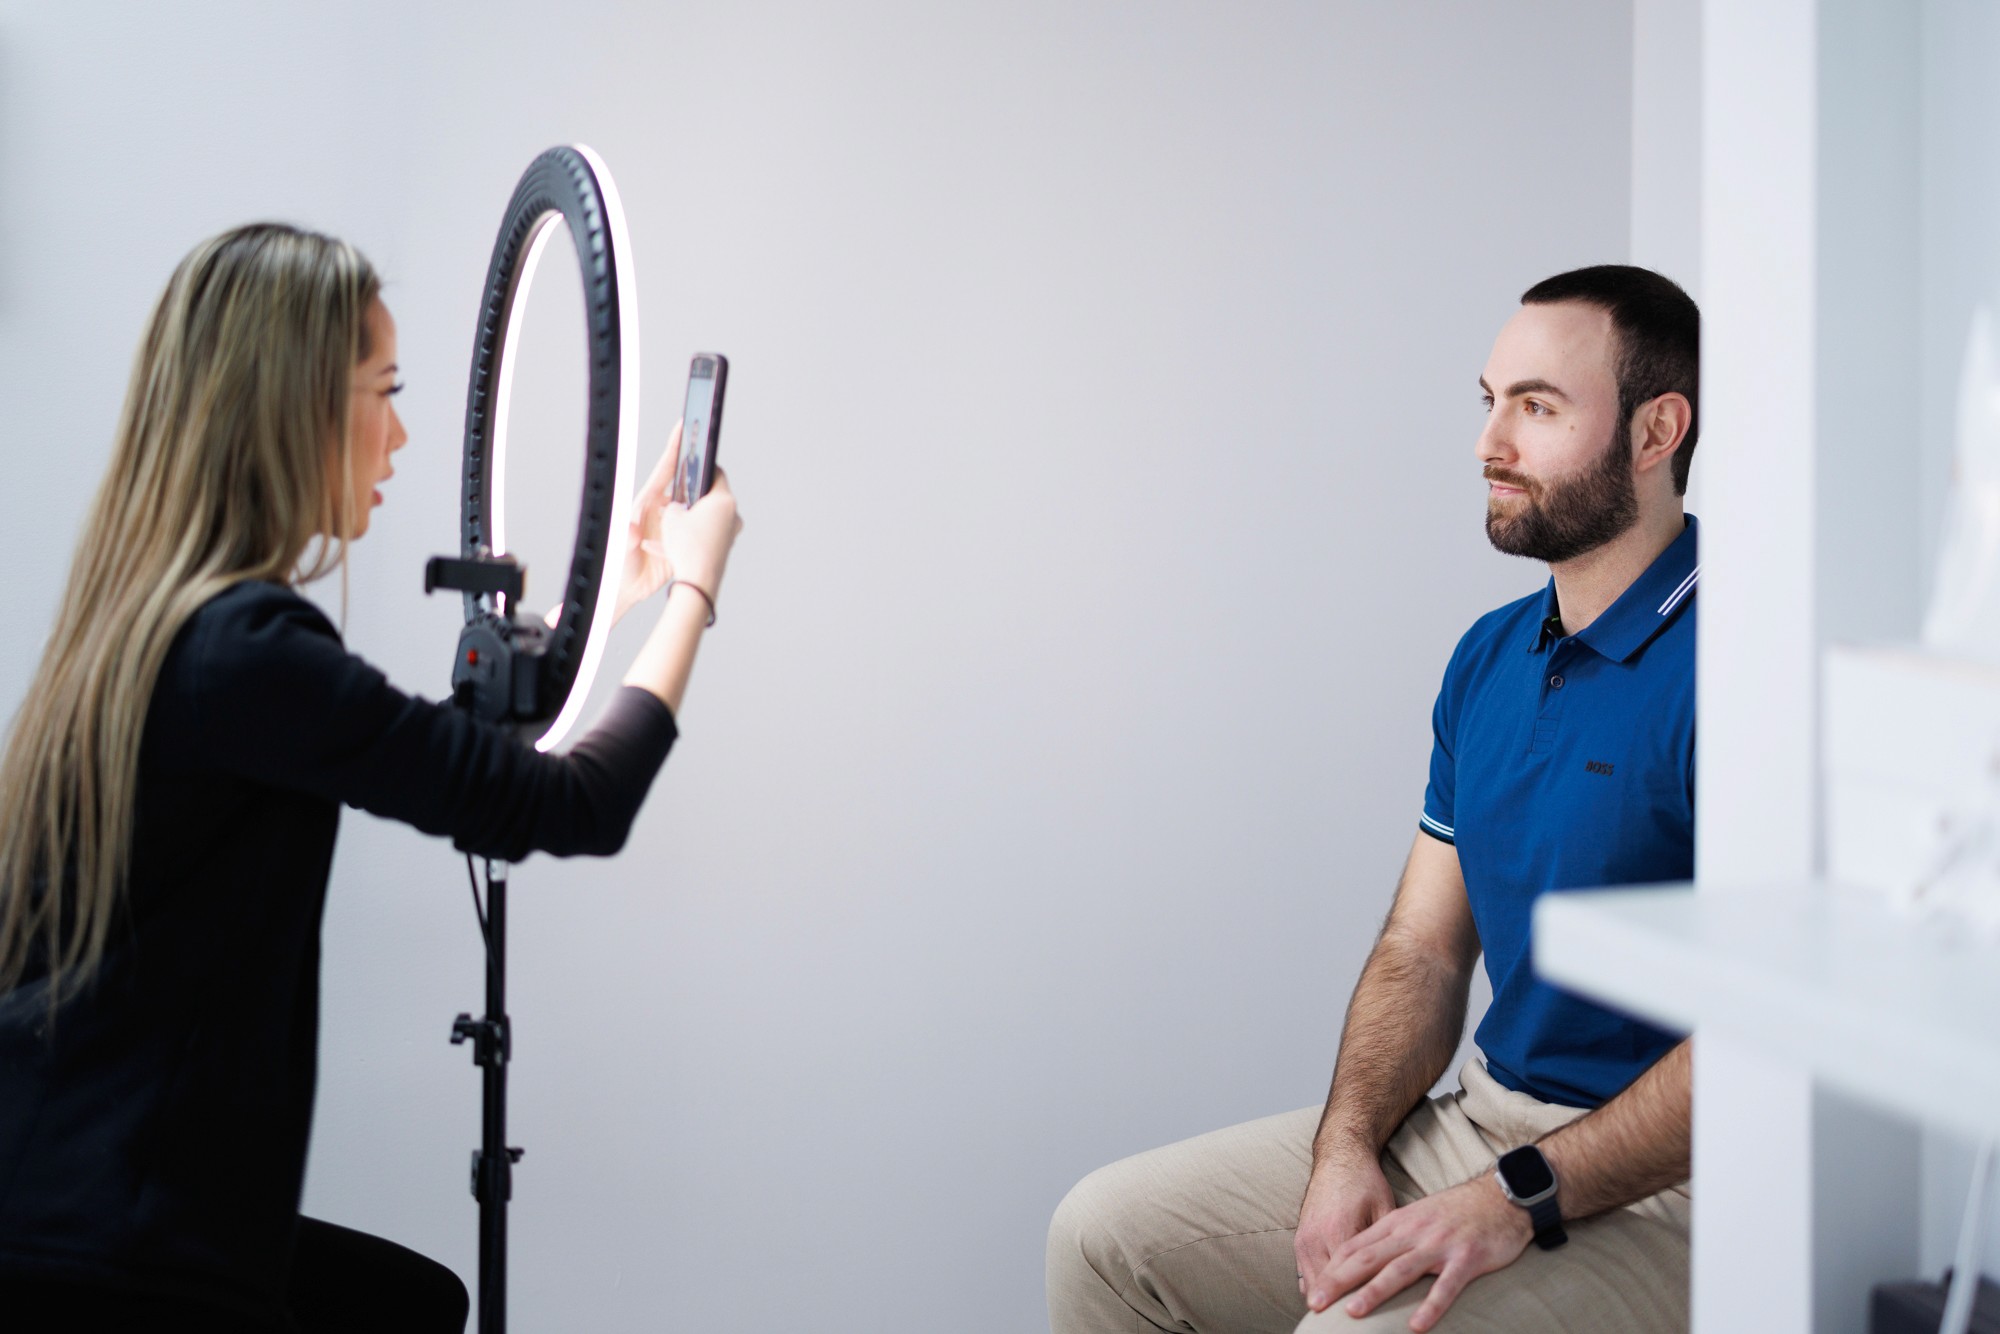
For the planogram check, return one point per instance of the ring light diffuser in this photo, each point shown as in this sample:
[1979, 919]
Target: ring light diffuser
[565, 188]
[503, 390]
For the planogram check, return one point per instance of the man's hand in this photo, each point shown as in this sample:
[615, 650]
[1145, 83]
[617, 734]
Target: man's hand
[1342, 1201]
[1457, 1234]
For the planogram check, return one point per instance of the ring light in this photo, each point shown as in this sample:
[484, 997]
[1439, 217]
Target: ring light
[503, 396]
[510, 668]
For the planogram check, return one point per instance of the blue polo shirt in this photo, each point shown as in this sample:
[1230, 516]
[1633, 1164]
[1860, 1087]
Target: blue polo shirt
[1567, 762]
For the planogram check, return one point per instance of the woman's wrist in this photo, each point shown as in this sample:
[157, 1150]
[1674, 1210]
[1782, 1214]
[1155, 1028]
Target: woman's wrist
[696, 594]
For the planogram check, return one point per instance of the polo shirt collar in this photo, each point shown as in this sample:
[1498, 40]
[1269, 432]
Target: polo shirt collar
[1652, 602]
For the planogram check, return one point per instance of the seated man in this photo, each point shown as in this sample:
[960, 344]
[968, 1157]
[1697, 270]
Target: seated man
[1563, 758]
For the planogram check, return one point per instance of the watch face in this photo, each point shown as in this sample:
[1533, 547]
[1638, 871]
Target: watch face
[1526, 1172]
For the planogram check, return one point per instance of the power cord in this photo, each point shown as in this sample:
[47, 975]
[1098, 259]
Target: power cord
[479, 907]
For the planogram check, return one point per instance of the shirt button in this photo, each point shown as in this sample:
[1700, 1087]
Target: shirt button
[1555, 683]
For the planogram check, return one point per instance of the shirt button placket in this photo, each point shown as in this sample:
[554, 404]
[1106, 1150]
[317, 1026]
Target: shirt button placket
[1550, 712]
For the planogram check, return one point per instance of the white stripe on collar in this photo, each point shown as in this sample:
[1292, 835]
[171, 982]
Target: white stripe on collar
[1679, 595]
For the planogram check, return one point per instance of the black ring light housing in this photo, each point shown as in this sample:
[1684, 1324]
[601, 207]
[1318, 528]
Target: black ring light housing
[512, 667]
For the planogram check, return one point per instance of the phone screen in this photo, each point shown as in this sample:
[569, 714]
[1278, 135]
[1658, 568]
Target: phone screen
[697, 467]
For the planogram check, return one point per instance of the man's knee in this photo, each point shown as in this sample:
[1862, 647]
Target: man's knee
[1091, 1227]
[1392, 1317]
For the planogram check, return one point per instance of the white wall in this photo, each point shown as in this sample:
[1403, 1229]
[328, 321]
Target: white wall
[1959, 269]
[1867, 1162]
[1103, 413]
[1666, 139]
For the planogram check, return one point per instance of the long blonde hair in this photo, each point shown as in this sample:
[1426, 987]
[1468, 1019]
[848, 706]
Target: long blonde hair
[231, 462]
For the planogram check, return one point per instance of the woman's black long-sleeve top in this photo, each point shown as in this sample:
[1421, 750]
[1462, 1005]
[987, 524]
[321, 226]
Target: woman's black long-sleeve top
[154, 1136]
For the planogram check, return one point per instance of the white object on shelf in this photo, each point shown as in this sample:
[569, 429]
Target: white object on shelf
[1964, 615]
[1901, 1011]
[1911, 757]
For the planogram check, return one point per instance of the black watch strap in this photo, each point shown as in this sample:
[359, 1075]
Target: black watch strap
[1548, 1220]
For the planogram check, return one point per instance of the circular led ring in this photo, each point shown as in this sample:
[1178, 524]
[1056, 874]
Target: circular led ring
[564, 186]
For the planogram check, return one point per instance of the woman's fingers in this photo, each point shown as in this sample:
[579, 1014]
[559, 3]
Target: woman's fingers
[657, 485]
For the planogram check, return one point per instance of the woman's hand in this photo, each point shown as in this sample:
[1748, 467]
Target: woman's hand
[669, 541]
[693, 548]
[695, 539]
[647, 568]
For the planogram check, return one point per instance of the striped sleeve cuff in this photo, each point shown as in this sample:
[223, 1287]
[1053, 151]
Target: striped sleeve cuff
[1437, 829]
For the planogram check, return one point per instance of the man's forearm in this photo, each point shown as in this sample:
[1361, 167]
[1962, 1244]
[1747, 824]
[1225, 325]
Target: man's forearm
[1633, 1146]
[1403, 1024]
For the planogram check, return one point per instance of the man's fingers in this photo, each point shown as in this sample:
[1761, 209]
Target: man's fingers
[1372, 1235]
[1442, 1294]
[1398, 1274]
[1347, 1271]
[1342, 1276]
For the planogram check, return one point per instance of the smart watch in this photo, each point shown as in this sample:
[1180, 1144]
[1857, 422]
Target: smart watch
[1527, 1179]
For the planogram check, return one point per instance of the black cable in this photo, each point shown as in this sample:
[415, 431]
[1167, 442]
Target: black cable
[479, 908]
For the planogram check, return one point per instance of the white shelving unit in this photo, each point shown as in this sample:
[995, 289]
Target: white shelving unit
[1824, 979]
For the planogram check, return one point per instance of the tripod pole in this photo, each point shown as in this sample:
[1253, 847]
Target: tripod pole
[493, 1162]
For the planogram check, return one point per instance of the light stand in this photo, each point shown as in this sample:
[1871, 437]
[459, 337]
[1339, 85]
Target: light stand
[493, 1161]
[511, 668]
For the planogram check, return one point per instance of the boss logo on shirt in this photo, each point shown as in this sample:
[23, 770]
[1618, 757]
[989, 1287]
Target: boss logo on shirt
[1597, 767]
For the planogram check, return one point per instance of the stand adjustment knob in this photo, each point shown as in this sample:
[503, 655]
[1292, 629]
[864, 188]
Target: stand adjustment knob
[491, 1043]
[502, 1172]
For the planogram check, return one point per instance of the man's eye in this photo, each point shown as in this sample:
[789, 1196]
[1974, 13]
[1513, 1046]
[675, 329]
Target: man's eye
[393, 390]
[1486, 401]
[1535, 409]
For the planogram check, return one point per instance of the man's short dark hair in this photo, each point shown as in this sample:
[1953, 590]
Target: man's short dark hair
[1659, 339]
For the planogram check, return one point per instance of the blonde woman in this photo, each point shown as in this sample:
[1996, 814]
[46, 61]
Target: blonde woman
[169, 796]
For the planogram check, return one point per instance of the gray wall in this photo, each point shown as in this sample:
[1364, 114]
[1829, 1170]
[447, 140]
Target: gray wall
[1103, 416]
[1958, 269]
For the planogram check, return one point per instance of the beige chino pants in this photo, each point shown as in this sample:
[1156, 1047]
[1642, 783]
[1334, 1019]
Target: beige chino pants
[1197, 1237]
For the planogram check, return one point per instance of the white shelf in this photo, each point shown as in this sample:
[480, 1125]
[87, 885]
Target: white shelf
[1901, 1012]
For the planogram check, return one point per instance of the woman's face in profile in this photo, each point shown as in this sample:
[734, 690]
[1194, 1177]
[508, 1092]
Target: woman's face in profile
[374, 430]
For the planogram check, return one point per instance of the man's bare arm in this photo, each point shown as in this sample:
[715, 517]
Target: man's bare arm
[1633, 1146]
[1408, 1010]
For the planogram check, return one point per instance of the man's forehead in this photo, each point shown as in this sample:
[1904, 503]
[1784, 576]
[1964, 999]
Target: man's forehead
[1566, 343]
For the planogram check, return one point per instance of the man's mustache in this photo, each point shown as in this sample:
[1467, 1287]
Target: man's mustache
[1508, 477]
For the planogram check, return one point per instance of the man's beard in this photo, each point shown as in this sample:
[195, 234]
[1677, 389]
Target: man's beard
[1561, 520]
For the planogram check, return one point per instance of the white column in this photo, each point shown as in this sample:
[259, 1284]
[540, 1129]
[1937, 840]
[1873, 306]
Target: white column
[1757, 667]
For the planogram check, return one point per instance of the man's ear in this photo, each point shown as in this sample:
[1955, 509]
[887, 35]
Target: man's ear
[1658, 427]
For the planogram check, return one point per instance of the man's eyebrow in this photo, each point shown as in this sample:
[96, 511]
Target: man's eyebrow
[1520, 387]
[389, 369]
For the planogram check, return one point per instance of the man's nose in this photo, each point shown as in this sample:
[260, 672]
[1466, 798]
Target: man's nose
[1493, 445]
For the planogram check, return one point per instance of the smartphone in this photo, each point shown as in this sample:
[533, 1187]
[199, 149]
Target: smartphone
[701, 426]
